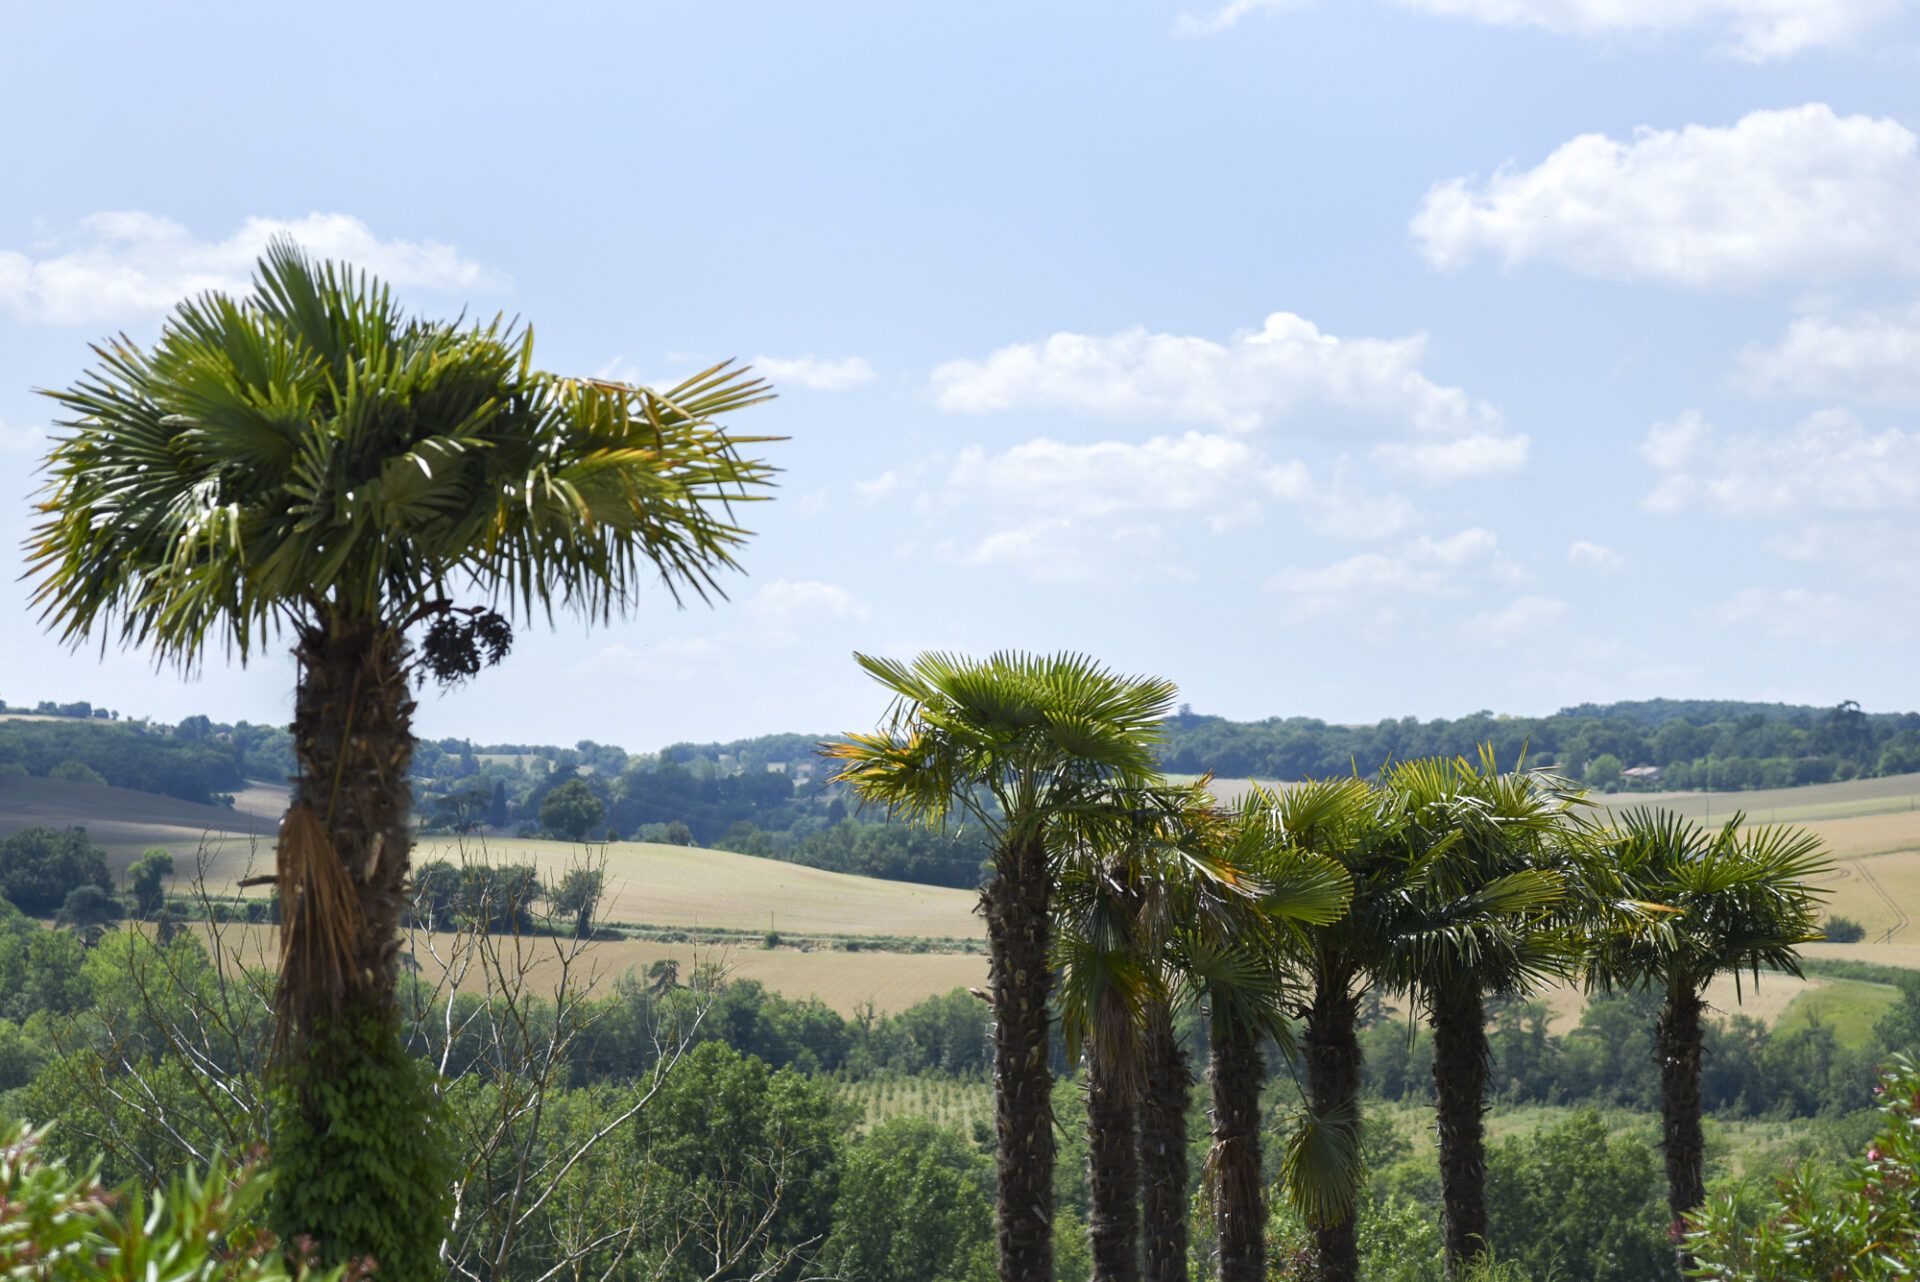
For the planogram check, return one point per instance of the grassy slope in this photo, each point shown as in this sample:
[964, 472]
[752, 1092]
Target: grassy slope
[1875, 841]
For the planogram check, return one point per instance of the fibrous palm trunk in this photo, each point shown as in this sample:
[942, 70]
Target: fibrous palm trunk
[1016, 905]
[1113, 1170]
[343, 852]
[1238, 1071]
[1460, 1070]
[1163, 1149]
[1677, 1044]
[342, 870]
[1332, 1046]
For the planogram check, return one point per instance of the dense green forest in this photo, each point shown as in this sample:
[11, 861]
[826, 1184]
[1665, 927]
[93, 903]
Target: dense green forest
[775, 1101]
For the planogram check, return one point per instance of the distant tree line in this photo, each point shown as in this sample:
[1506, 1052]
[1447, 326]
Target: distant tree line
[1695, 743]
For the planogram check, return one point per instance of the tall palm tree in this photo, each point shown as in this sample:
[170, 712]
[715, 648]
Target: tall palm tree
[1490, 852]
[1022, 744]
[1167, 1088]
[1131, 874]
[1240, 955]
[1107, 980]
[1699, 902]
[1340, 963]
[392, 491]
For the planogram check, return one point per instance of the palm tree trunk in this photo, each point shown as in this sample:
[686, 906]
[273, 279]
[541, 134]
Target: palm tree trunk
[1238, 1071]
[1677, 1044]
[349, 1096]
[1016, 903]
[353, 739]
[1113, 1171]
[1332, 1045]
[1163, 1149]
[1460, 1072]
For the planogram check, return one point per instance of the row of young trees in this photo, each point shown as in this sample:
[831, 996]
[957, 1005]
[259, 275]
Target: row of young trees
[1115, 898]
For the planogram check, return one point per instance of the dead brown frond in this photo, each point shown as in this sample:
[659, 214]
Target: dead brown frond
[319, 922]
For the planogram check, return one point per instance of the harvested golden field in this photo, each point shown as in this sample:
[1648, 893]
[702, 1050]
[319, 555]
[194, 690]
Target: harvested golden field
[1766, 1002]
[1881, 892]
[688, 886]
[842, 980]
[1815, 803]
[646, 884]
[1905, 954]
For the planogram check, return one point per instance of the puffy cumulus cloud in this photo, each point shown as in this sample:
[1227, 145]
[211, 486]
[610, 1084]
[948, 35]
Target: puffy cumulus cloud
[815, 373]
[1594, 556]
[1791, 194]
[1422, 566]
[1828, 462]
[1110, 498]
[1438, 462]
[1286, 375]
[1194, 473]
[1756, 30]
[1866, 357]
[123, 266]
[1523, 619]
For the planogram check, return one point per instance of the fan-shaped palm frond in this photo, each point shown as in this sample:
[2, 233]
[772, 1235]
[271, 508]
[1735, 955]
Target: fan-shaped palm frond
[308, 447]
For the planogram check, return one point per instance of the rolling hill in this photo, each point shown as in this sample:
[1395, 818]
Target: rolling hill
[1872, 827]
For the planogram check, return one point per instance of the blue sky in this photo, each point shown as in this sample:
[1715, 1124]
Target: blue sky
[1351, 359]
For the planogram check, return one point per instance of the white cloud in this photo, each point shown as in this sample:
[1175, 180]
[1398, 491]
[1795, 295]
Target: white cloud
[1594, 556]
[1436, 463]
[1828, 462]
[1104, 494]
[1423, 566]
[127, 265]
[1255, 378]
[1757, 30]
[1521, 620]
[1194, 473]
[783, 603]
[1868, 357]
[1671, 444]
[1793, 194]
[815, 373]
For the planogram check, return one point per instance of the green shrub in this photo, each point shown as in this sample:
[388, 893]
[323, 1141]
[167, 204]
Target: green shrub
[77, 772]
[56, 1225]
[1845, 930]
[1863, 1227]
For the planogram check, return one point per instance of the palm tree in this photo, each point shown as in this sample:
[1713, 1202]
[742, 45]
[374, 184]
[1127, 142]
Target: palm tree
[1167, 1086]
[1107, 980]
[309, 458]
[1132, 872]
[1340, 963]
[1699, 902]
[1023, 744]
[1490, 853]
[1240, 953]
